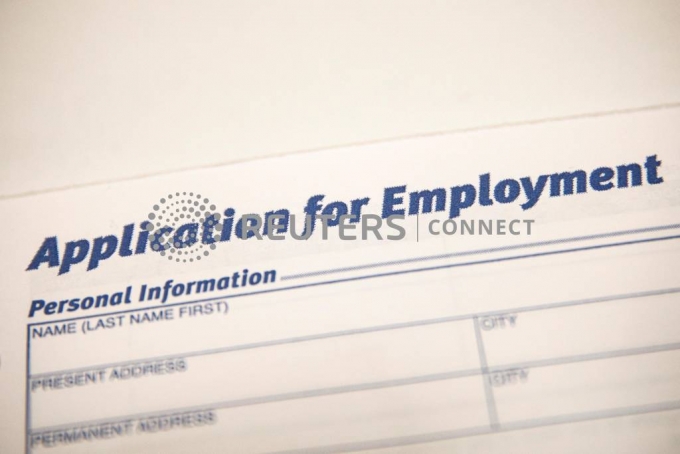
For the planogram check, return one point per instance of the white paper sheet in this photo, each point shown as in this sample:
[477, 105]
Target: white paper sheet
[564, 340]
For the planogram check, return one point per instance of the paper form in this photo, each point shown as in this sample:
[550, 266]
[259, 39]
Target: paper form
[564, 339]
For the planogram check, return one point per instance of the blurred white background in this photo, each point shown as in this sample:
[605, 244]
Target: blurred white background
[98, 91]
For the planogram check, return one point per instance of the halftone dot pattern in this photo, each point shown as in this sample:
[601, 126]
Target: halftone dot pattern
[178, 209]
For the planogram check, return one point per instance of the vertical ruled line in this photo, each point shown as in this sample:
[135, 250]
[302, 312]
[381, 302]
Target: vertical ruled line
[488, 392]
[28, 391]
